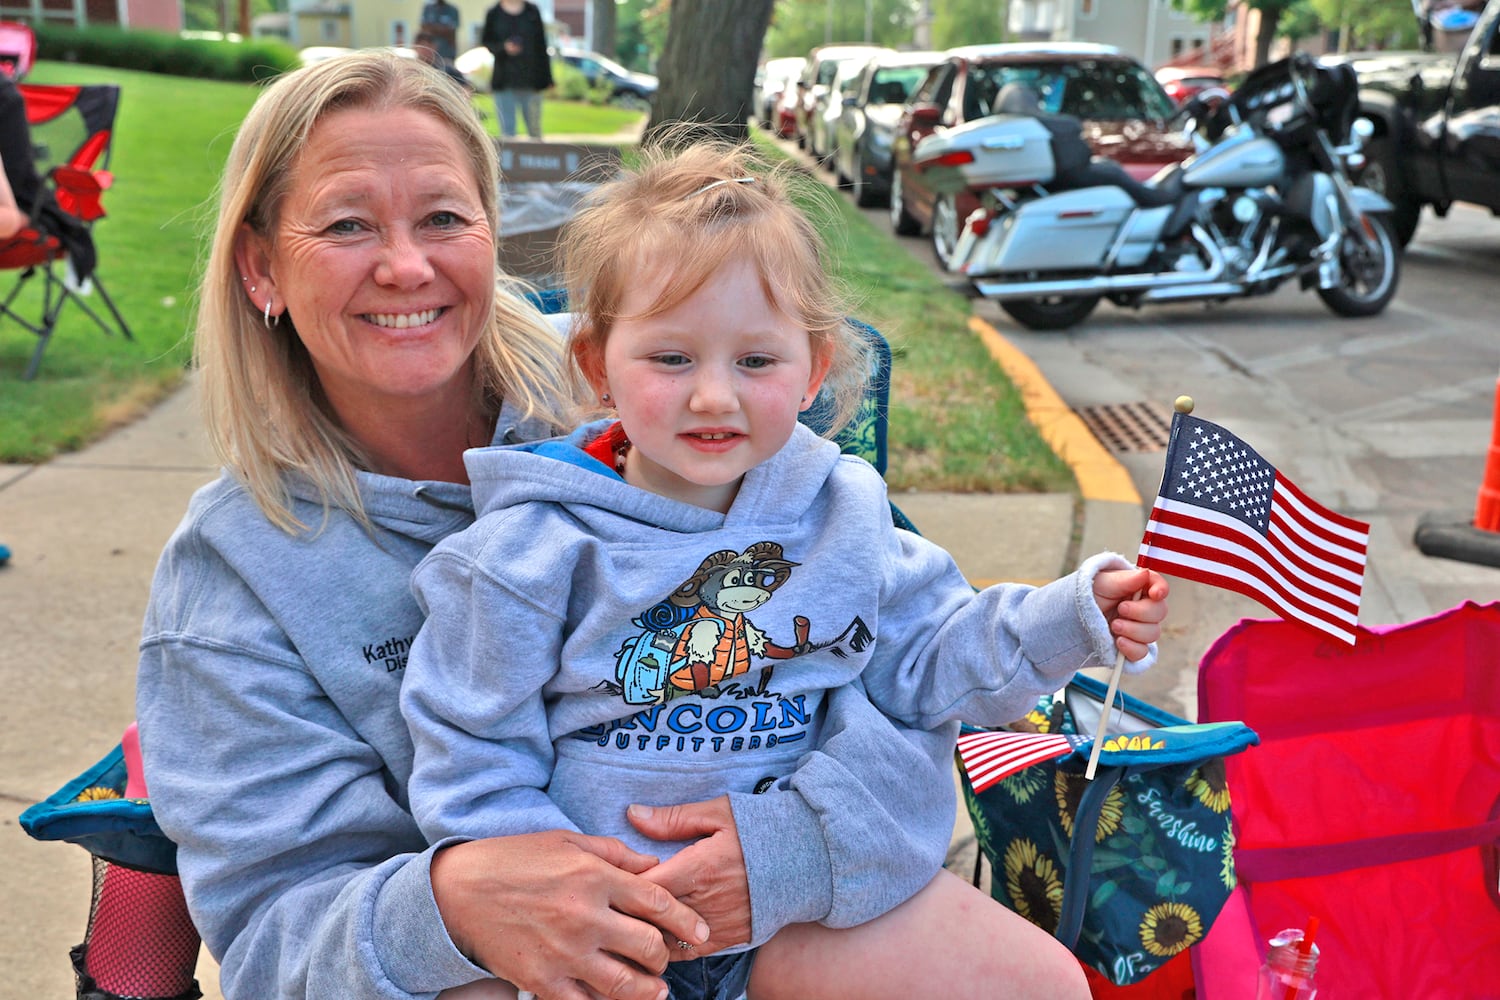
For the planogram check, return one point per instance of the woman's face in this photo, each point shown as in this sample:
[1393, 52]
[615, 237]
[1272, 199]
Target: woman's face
[384, 260]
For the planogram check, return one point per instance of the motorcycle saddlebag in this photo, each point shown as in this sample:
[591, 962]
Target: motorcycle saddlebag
[998, 151]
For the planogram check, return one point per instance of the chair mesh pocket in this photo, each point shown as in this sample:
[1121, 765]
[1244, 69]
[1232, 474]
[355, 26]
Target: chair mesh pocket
[140, 943]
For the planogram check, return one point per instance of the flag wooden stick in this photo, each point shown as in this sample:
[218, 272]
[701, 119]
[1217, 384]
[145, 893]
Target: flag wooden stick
[1182, 404]
[1109, 700]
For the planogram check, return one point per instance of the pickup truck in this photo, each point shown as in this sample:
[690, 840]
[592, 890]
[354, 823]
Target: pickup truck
[1437, 124]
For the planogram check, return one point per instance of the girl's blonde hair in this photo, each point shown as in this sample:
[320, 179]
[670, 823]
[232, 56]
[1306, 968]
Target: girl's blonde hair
[684, 213]
[265, 412]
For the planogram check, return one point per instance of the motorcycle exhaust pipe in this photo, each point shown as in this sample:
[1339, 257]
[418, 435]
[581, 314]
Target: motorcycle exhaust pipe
[1211, 290]
[1186, 284]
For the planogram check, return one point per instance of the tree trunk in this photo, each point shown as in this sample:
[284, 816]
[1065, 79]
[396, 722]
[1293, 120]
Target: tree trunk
[707, 66]
[1267, 34]
[604, 27]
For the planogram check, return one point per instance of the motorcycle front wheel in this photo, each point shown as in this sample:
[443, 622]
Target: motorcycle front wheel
[1052, 313]
[1370, 273]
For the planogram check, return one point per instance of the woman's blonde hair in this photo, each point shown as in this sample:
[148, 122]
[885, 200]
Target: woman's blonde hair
[264, 409]
[684, 212]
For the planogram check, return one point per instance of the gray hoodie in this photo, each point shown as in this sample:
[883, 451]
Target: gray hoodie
[589, 645]
[278, 759]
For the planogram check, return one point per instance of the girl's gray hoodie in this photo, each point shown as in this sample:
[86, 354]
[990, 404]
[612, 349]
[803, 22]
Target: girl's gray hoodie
[553, 683]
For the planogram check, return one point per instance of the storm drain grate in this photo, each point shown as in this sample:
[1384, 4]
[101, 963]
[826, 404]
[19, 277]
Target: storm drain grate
[1128, 427]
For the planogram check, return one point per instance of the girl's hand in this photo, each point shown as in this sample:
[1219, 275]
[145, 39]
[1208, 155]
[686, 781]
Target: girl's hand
[1134, 603]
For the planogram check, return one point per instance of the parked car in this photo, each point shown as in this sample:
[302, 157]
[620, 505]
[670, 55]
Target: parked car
[1183, 83]
[629, 88]
[1435, 115]
[868, 114]
[1125, 114]
[774, 77]
[788, 110]
[817, 76]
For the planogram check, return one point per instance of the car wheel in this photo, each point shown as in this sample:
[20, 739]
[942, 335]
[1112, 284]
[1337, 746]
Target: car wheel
[634, 102]
[1381, 176]
[902, 224]
[944, 229]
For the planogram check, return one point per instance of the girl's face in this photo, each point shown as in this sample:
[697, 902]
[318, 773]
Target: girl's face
[384, 260]
[708, 389]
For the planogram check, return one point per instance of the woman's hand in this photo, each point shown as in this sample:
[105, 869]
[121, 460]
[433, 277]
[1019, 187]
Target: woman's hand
[708, 875]
[561, 914]
[1134, 602]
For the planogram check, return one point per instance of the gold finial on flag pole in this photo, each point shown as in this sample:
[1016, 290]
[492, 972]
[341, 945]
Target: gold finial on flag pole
[1183, 404]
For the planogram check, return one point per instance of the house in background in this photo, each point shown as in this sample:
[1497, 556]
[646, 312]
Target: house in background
[158, 15]
[1153, 31]
[362, 24]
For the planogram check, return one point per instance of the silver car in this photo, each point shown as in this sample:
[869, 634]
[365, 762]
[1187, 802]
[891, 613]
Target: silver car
[868, 112]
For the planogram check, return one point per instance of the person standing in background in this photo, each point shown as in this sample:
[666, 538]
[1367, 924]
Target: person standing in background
[440, 20]
[514, 34]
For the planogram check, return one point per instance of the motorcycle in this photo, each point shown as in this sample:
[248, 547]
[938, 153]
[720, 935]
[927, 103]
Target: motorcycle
[1267, 198]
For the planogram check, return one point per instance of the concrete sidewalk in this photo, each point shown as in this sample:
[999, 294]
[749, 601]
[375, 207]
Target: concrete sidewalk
[85, 531]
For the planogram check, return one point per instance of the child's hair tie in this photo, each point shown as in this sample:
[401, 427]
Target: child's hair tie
[710, 186]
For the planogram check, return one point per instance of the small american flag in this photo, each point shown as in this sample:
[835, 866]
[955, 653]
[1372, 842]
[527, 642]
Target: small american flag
[1224, 516]
[990, 756]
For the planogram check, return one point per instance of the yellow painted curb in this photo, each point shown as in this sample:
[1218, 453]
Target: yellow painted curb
[1099, 475]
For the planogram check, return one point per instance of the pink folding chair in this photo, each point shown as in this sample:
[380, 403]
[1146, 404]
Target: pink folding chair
[1372, 803]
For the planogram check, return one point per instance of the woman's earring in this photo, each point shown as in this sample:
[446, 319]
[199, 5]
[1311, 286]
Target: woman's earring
[605, 399]
[271, 321]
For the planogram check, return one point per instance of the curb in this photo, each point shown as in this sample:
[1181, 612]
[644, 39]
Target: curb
[1100, 476]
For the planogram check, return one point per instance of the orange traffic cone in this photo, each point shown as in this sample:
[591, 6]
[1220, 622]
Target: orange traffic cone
[1457, 536]
[1487, 510]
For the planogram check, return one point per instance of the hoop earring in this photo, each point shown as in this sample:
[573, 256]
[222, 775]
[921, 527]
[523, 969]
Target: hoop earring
[271, 321]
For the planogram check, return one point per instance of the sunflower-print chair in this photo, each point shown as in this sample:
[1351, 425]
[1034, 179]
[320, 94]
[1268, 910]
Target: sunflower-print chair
[1372, 803]
[1130, 869]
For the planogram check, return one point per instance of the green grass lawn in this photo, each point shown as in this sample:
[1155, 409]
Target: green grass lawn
[956, 421]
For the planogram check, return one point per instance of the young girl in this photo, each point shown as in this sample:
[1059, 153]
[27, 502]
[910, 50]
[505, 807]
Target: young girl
[660, 607]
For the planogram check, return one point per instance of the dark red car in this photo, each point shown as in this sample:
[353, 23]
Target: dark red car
[1125, 114]
[1183, 83]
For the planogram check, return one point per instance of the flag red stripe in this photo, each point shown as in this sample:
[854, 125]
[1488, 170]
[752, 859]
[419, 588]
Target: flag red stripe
[1338, 568]
[1275, 552]
[1330, 626]
[1334, 590]
[1358, 532]
[1216, 573]
[1285, 504]
[1335, 606]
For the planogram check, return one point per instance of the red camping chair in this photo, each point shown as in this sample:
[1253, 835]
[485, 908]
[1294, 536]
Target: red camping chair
[17, 49]
[61, 186]
[1372, 803]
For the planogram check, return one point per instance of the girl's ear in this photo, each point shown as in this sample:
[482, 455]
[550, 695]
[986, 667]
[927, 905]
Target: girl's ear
[588, 355]
[822, 361]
